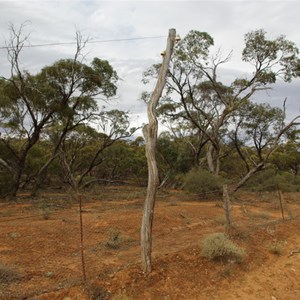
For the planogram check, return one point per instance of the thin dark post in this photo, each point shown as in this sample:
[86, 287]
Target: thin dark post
[280, 202]
[81, 239]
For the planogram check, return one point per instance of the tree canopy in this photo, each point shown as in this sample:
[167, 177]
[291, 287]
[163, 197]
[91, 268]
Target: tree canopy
[54, 129]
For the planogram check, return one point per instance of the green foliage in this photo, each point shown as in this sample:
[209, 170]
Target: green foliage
[221, 219]
[124, 160]
[173, 157]
[287, 157]
[61, 95]
[194, 47]
[59, 104]
[233, 167]
[219, 246]
[267, 52]
[201, 181]
[262, 123]
[270, 180]
[6, 182]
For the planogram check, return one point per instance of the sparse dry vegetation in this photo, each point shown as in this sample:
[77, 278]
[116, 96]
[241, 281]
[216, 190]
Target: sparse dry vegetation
[276, 247]
[8, 274]
[114, 239]
[121, 296]
[219, 246]
[111, 245]
[96, 292]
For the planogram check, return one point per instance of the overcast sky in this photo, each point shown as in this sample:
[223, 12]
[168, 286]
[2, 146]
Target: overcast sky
[225, 21]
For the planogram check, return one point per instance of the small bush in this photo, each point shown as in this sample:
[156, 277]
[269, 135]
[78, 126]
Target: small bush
[221, 220]
[8, 274]
[227, 272]
[218, 246]
[260, 215]
[46, 213]
[114, 239]
[121, 297]
[276, 247]
[96, 292]
[201, 182]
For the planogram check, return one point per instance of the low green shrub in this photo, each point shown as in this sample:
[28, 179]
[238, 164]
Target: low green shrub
[201, 181]
[6, 183]
[270, 180]
[8, 274]
[260, 215]
[114, 239]
[219, 246]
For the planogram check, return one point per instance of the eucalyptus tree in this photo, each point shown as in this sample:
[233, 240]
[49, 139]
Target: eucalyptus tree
[287, 157]
[259, 131]
[83, 148]
[30, 103]
[195, 93]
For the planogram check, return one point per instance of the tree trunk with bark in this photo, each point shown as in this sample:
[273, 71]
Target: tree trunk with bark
[150, 133]
[227, 206]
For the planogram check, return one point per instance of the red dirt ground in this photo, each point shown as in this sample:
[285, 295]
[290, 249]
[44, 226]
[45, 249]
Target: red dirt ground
[40, 239]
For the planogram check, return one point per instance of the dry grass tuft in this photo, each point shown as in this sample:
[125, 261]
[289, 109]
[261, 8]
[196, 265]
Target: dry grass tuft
[219, 246]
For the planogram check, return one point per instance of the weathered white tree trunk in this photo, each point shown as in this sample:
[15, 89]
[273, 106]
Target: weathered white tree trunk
[227, 206]
[213, 159]
[209, 157]
[150, 133]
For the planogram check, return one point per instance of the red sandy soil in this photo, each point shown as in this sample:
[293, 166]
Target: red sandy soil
[46, 252]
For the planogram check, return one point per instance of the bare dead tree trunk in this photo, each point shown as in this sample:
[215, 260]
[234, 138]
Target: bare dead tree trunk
[209, 157]
[256, 169]
[150, 133]
[227, 206]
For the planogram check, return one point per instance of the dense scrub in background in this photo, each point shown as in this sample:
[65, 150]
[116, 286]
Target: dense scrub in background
[54, 132]
[201, 181]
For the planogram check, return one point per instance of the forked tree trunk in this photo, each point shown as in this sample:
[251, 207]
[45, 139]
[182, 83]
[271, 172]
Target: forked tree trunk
[150, 133]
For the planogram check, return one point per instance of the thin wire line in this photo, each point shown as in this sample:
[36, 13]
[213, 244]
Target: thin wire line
[88, 42]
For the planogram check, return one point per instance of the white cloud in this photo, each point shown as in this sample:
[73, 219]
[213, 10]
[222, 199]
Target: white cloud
[225, 21]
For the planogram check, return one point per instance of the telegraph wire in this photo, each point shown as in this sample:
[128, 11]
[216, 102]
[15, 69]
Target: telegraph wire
[88, 42]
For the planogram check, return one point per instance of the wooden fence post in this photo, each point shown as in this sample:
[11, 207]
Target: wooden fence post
[150, 133]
